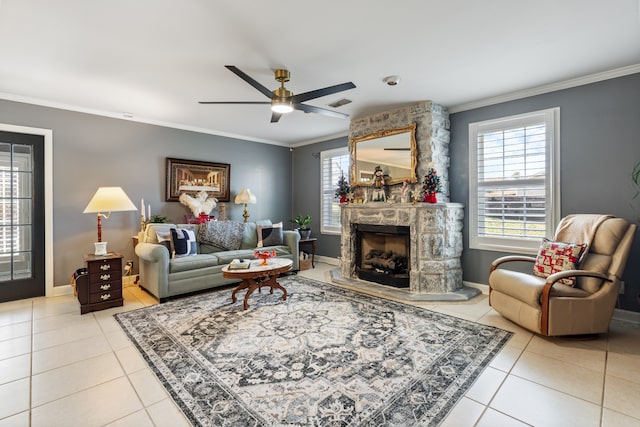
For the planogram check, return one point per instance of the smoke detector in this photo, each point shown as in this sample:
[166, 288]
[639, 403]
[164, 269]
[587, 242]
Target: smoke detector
[391, 80]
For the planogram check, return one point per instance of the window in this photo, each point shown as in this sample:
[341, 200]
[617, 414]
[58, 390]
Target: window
[334, 163]
[514, 181]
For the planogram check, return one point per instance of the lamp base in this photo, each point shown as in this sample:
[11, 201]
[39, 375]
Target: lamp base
[101, 248]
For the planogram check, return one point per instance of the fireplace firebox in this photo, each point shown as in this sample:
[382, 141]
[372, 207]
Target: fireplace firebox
[382, 254]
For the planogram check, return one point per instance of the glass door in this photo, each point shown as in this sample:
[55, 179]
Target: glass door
[21, 216]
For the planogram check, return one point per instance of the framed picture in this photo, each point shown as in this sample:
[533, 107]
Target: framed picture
[194, 176]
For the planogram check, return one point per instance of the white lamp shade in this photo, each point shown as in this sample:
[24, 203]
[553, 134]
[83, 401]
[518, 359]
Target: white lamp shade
[110, 199]
[245, 196]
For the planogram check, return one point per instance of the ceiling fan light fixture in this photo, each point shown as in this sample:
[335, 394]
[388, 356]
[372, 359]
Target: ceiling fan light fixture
[281, 106]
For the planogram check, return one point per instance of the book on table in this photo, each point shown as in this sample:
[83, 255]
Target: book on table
[239, 264]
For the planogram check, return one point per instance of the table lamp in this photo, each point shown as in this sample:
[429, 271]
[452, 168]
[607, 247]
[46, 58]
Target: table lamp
[245, 196]
[107, 199]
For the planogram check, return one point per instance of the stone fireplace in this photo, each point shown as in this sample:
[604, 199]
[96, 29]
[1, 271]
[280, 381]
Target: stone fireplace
[412, 249]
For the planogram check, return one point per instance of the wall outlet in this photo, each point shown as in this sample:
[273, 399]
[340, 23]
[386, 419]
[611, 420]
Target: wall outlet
[621, 287]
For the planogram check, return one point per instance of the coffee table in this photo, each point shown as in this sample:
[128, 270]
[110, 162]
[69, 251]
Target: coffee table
[257, 276]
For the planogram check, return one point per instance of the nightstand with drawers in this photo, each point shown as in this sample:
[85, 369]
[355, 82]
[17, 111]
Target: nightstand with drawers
[101, 285]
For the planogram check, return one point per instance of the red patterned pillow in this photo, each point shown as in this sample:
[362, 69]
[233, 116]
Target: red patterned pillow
[558, 256]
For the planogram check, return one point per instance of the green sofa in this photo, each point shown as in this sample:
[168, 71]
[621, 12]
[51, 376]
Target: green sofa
[166, 277]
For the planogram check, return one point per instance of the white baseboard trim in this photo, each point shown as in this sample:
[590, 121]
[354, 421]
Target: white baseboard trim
[483, 288]
[328, 260]
[59, 291]
[626, 315]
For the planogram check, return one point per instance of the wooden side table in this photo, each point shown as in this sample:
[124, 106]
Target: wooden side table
[310, 241]
[102, 285]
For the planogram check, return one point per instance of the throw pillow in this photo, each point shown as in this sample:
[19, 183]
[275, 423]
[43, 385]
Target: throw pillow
[224, 234]
[184, 242]
[165, 239]
[269, 235]
[558, 256]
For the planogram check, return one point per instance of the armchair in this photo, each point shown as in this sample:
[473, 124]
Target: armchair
[548, 307]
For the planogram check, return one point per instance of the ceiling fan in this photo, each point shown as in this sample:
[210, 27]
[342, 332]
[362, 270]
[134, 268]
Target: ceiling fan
[283, 100]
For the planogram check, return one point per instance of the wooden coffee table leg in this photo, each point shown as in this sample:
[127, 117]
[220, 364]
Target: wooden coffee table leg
[243, 285]
[251, 285]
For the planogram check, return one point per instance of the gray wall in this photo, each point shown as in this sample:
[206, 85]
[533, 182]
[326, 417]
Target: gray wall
[600, 143]
[90, 151]
[306, 191]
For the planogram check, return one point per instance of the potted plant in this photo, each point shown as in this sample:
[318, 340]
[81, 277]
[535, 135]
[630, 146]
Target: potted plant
[343, 189]
[303, 225]
[158, 219]
[431, 186]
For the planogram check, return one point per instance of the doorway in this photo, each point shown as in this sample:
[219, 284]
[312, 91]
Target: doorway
[22, 216]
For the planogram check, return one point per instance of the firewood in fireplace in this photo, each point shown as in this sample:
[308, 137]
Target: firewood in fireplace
[387, 261]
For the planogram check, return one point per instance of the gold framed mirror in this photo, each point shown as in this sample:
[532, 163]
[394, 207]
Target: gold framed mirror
[394, 150]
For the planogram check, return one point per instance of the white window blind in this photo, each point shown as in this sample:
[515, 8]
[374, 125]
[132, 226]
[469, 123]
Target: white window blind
[514, 200]
[334, 163]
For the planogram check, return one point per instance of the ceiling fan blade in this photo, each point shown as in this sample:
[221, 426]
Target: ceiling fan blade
[306, 96]
[244, 76]
[311, 109]
[275, 117]
[234, 102]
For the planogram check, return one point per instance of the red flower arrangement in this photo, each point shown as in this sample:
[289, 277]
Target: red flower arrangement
[264, 255]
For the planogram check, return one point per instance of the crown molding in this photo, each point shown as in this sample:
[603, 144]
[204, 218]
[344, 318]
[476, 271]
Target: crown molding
[552, 87]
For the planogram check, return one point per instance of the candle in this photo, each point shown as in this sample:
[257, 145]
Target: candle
[149, 208]
[142, 209]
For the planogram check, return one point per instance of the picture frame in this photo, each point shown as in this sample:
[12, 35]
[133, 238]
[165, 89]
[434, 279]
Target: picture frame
[193, 176]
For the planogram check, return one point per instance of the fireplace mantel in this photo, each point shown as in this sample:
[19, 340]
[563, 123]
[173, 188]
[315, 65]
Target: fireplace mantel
[435, 245]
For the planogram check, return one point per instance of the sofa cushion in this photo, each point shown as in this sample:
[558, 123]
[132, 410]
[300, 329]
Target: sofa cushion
[269, 235]
[184, 242]
[164, 238]
[558, 256]
[192, 263]
[224, 234]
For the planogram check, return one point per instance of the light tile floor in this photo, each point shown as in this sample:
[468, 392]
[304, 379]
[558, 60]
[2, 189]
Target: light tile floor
[58, 368]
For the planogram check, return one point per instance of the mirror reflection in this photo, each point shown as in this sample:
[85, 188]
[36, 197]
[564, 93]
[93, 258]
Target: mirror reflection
[394, 151]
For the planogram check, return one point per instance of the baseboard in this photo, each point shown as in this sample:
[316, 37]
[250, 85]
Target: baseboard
[483, 288]
[59, 291]
[626, 315]
[328, 260]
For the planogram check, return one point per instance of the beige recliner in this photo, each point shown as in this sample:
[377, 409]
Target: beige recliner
[547, 307]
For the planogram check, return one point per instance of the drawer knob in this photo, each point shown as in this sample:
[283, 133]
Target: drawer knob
[105, 296]
[106, 287]
[105, 277]
[105, 267]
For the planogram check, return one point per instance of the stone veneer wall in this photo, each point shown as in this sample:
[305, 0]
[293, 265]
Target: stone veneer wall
[435, 243]
[432, 138]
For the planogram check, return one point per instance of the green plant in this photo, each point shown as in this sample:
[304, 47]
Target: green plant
[301, 221]
[158, 219]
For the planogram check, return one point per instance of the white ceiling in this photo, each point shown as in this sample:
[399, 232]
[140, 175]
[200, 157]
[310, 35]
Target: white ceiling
[156, 59]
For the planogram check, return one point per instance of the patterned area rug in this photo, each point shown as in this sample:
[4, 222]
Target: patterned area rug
[325, 357]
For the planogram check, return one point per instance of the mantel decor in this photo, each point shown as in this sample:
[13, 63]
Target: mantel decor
[194, 176]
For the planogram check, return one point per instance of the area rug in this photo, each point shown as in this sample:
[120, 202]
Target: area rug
[326, 356]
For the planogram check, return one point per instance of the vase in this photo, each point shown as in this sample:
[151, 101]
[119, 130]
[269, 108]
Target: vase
[430, 198]
[343, 198]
